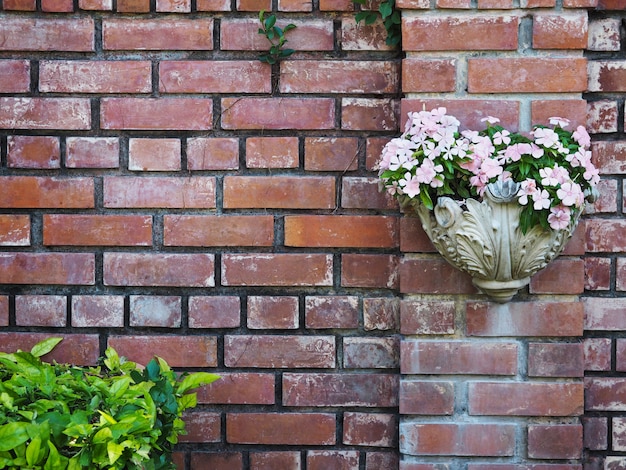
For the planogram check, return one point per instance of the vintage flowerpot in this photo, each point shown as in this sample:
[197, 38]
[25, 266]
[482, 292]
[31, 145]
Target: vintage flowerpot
[484, 239]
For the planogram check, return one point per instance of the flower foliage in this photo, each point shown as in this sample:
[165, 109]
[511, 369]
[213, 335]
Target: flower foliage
[433, 158]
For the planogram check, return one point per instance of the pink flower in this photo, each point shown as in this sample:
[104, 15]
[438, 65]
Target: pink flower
[559, 121]
[591, 173]
[491, 168]
[559, 217]
[541, 199]
[528, 188]
[581, 136]
[490, 120]
[536, 151]
[546, 137]
[547, 177]
[570, 194]
[410, 185]
[427, 171]
[502, 137]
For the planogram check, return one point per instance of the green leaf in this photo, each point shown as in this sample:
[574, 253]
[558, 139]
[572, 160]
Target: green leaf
[55, 460]
[385, 9]
[270, 22]
[426, 200]
[115, 451]
[44, 347]
[33, 452]
[12, 435]
[152, 370]
[195, 380]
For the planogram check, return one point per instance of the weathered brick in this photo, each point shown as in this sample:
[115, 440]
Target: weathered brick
[4, 310]
[360, 231]
[201, 426]
[597, 353]
[371, 353]
[369, 270]
[339, 76]
[33, 192]
[213, 153]
[331, 154]
[363, 37]
[369, 429]
[618, 434]
[607, 201]
[604, 314]
[52, 34]
[295, 5]
[159, 269]
[14, 76]
[377, 460]
[458, 357]
[555, 441]
[14, 230]
[604, 235]
[278, 113]
[331, 312]
[562, 31]
[422, 317]
[103, 5]
[346, 389]
[217, 460]
[516, 319]
[595, 432]
[449, 33]
[605, 394]
[47, 268]
[178, 351]
[281, 428]
[272, 312]
[369, 114]
[97, 230]
[620, 274]
[155, 310]
[239, 388]
[285, 460]
[158, 34]
[159, 192]
[602, 117]
[75, 349]
[556, 360]
[428, 75]
[57, 6]
[413, 238]
[215, 76]
[154, 154]
[575, 110]
[173, 6]
[45, 113]
[604, 34]
[74, 76]
[561, 276]
[253, 5]
[37, 152]
[436, 276]
[24, 5]
[133, 6]
[610, 156]
[457, 439]
[620, 355]
[214, 312]
[525, 399]
[421, 397]
[277, 352]
[381, 314]
[279, 192]
[606, 76]
[324, 459]
[272, 152]
[41, 310]
[97, 311]
[361, 192]
[213, 5]
[527, 75]
[92, 152]
[215, 230]
[194, 114]
[277, 269]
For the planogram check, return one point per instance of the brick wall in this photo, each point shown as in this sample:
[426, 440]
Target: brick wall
[164, 192]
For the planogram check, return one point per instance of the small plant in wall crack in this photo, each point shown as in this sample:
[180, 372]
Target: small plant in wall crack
[388, 14]
[276, 37]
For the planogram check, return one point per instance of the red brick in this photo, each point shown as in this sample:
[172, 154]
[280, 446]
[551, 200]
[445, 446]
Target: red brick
[213, 5]
[611, 4]
[253, 5]
[214, 312]
[604, 34]
[53, 34]
[595, 433]
[336, 5]
[605, 235]
[620, 355]
[14, 76]
[339, 76]
[4, 310]
[97, 311]
[24, 5]
[14, 230]
[556, 360]
[369, 270]
[517, 319]
[133, 6]
[413, 238]
[92, 152]
[362, 193]
[605, 394]
[371, 353]
[41, 310]
[369, 429]
[428, 75]
[422, 317]
[562, 31]
[239, 388]
[325, 459]
[363, 37]
[379, 460]
[426, 397]
[47, 268]
[610, 156]
[450, 33]
[525, 399]
[457, 439]
[159, 269]
[318, 389]
[606, 76]
[597, 353]
[434, 276]
[154, 154]
[281, 428]
[215, 76]
[201, 426]
[158, 34]
[74, 349]
[155, 310]
[575, 110]
[360, 231]
[526, 75]
[607, 200]
[104, 5]
[278, 113]
[214, 153]
[604, 314]
[272, 312]
[73, 76]
[173, 6]
[555, 441]
[178, 351]
[295, 5]
[373, 150]
[620, 275]
[279, 192]
[272, 152]
[215, 230]
[456, 4]
[309, 35]
[381, 314]
[331, 154]
[561, 276]
[35, 152]
[458, 357]
[495, 4]
[618, 434]
[602, 116]
[274, 351]
[159, 192]
[45, 192]
[285, 460]
[193, 114]
[45, 113]
[334, 312]
[97, 230]
[575, 246]
[369, 114]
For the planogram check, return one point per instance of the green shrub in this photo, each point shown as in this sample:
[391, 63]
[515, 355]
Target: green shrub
[115, 416]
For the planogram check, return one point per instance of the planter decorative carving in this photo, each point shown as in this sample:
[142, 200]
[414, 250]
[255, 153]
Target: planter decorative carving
[484, 239]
